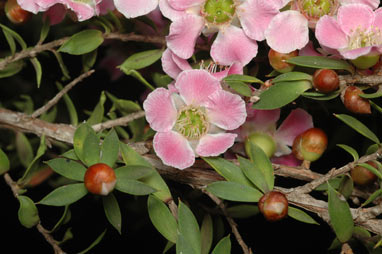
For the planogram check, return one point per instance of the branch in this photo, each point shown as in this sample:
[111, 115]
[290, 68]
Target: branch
[371, 80]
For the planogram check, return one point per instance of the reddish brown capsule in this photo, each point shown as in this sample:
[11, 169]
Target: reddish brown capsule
[310, 144]
[362, 176]
[325, 80]
[273, 205]
[277, 60]
[15, 14]
[100, 179]
[353, 102]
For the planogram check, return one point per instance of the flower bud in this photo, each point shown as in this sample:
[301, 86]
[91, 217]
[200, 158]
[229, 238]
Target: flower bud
[310, 144]
[277, 60]
[100, 179]
[15, 14]
[273, 205]
[366, 61]
[361, 176]
[353, 102]
[262, 140]
[325, 80]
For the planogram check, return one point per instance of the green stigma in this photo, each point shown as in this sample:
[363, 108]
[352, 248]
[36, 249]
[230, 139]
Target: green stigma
[317, 8]
[219, 11]
[191, 122]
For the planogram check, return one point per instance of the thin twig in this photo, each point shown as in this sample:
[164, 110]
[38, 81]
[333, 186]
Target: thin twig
[122, 121]
[59, 95]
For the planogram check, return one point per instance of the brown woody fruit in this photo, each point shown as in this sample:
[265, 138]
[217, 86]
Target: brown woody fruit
[353, 102]
[273, 205]
[15, 14]
[325, 80]
[100, 179]
[361, 176]
[310, 144]
[277, 60]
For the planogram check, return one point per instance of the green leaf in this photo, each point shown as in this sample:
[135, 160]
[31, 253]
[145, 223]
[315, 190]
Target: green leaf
[4, 162]
[110, 148]
[188, 230]
[61, 64]
[358, 126]
[262, 162]
[243, 78]
[346, 186]
[70, 107]
[65, 195]
[15, 35]
[82, 42]
[206, 232]
[139, 77]
[24, 149]
[88, 60]
[98, 112]
[65, 218]
[334, 182]
[243, 211]
[321, 96]
[240, 87]
[86, 144]
[28, 213]
[12, 69]
[350, 150]
[37, 67]
[134, 187]
[223, 246]
[254, 174]
[44, 30]
[285, 92]
[300, 215]
[372, 197]
[321, 62]
[292, 76]
[141, 60]
[161, 80]
[228, 170]
[11, 41]
[133, 172]
[371, 169]
[96, 241]
[112, 211]
[68, 168]
[340, 216]
[162, 218]
[234, 191]
[70, 154]
[371, 95]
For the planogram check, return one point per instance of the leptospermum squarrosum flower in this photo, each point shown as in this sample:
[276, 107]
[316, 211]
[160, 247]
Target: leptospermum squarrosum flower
[191, 118]
[355, 32]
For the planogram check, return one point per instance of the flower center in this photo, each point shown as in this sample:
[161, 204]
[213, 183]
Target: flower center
[365, 38]
[317, 8]
[219, 11]
[191, 122]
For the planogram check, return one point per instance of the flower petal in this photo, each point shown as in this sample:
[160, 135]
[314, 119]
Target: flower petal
[297, 122]
[135, 8]
[82, 10]
[309, 50]
[255, 16]
[173, 149]
[55, 14]
[378, 19]
[353, 54]
[168, 11]
[105, 6]
[215, 144]
[263, 120]
[30, 6]
[329, 33]
[235, 68]
[184, 4]
[232, 45]
[287, 31]
[196, 85]
[160, 111]
[353, 16]
[172, 65]
[287, 160]
[226, 110]
[372, 3]
[183, 34]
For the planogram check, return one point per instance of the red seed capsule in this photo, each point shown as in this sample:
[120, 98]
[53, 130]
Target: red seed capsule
[361, 176]
[310, 144]
[100, 179]
[325, 80]
[277, 60]
[273, 205]
[353, 102]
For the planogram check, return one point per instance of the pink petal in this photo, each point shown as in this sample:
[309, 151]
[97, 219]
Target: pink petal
[55, 14]
[264, 120]
[135, 8]
[309, 50]
[372, 3]
[235, 68]
[255, 16]
[83, 11]
[169, 66]
[287, 160]
[160, 111]
[232, 45]
[183, 34]
[353, 54]
[378, 19]
[105, 6]
[297, 122]
[215, 144]
[184, 4]
[195, 86]
[353, 16]
[329, 33]
[287, 31]
[173, 149]
[45, 4]
[168, 11]
[30, 6]
[226, 110]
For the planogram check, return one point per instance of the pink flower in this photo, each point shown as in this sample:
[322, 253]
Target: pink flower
[173, 65]
[191, 117]
[355, 32]
[264, 122]
[135, 8]
[236, 23]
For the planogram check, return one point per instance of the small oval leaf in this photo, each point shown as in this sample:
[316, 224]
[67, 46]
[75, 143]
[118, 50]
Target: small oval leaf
[188, 229]
[350, 150]
[141, 60]
[82, 42]
[206, 232]
[133, 187]
[86, 144]
[300, 215]
[110, 148]
[292, 76]
[4, 162]
[321, 62]
[132, 172]
[28, 213]
[243, 78]
[68, 168]
[223, 246]
[234, 191]
[112, 211]
[65, 195]
[371, 169]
